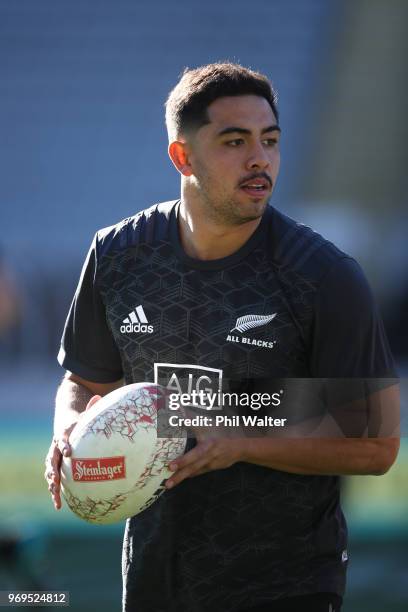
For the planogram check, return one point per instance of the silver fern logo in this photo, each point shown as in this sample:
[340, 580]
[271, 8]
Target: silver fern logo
[247, 322]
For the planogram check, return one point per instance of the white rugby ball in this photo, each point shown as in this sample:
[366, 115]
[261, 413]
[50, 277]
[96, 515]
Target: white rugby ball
[118, 464]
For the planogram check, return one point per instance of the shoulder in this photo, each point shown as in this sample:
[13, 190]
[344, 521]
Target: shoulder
[297, 248]
[146, 227]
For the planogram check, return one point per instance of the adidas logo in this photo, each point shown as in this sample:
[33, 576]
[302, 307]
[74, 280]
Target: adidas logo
[136, 321]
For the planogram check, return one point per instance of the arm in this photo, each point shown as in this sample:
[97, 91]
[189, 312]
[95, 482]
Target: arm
[348, 342]
[89, 349]
[74, 396]
[320, 454]
[327, 456]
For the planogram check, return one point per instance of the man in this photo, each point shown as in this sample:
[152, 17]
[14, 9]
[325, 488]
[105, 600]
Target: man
[250, 523]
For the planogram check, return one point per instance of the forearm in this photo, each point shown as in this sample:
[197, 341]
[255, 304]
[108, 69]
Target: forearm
[324, 456]
[70, 401]
[315, 457]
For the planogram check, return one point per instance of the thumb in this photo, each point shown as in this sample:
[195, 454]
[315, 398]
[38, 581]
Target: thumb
[64, 445]
[93, 401]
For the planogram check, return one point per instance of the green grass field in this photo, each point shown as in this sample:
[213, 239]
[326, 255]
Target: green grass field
[60, 552]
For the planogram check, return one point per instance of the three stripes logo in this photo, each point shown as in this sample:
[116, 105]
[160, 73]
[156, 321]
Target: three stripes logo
[136, 322]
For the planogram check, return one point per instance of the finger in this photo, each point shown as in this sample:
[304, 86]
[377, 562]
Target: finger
[204, 470]
[52, 473]
[52, 462]
[63, 444]
[53, 467]
[187, 472]
[65, 448]
[93, 401]
[54, 488]
[51, 476]
[55, 495]
[195, 454]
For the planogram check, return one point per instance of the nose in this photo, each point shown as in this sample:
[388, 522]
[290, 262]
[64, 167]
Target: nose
[258, 157]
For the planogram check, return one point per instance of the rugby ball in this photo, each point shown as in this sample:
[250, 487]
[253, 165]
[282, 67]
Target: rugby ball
[119, 465]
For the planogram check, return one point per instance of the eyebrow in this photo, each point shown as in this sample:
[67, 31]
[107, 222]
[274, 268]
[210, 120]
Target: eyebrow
[238, 130]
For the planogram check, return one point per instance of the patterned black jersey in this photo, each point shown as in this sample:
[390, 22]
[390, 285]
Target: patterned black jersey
[231, 539]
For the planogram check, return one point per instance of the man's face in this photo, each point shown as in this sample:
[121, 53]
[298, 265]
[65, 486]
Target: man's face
[235, 159]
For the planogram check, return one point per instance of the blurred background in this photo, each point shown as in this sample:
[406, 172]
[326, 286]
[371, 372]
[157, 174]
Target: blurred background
[83, 144]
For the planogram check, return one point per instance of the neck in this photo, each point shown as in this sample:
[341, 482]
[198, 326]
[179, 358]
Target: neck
[205, 239]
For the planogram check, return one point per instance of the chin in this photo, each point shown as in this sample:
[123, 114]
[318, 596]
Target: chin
[237, 212]
[247, 217]
[253, 209]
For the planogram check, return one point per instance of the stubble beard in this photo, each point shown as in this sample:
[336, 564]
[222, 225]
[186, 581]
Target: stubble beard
[225, 210]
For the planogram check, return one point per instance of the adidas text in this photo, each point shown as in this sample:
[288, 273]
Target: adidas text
[136, 322]
[136, 327]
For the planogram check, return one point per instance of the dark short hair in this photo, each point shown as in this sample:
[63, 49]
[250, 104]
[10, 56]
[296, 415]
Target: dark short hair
[187, 104]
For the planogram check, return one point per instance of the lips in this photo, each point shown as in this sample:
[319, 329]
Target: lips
[256, 187]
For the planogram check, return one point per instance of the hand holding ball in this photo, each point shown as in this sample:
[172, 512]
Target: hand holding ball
[118, 464]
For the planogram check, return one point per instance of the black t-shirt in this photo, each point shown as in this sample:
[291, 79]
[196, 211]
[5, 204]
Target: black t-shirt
[145, 311]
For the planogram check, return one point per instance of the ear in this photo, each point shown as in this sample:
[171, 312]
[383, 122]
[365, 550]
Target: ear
[179, 155]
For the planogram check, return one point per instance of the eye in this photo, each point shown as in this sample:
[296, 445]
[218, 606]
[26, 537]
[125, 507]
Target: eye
[235, 143]
[271, 142]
